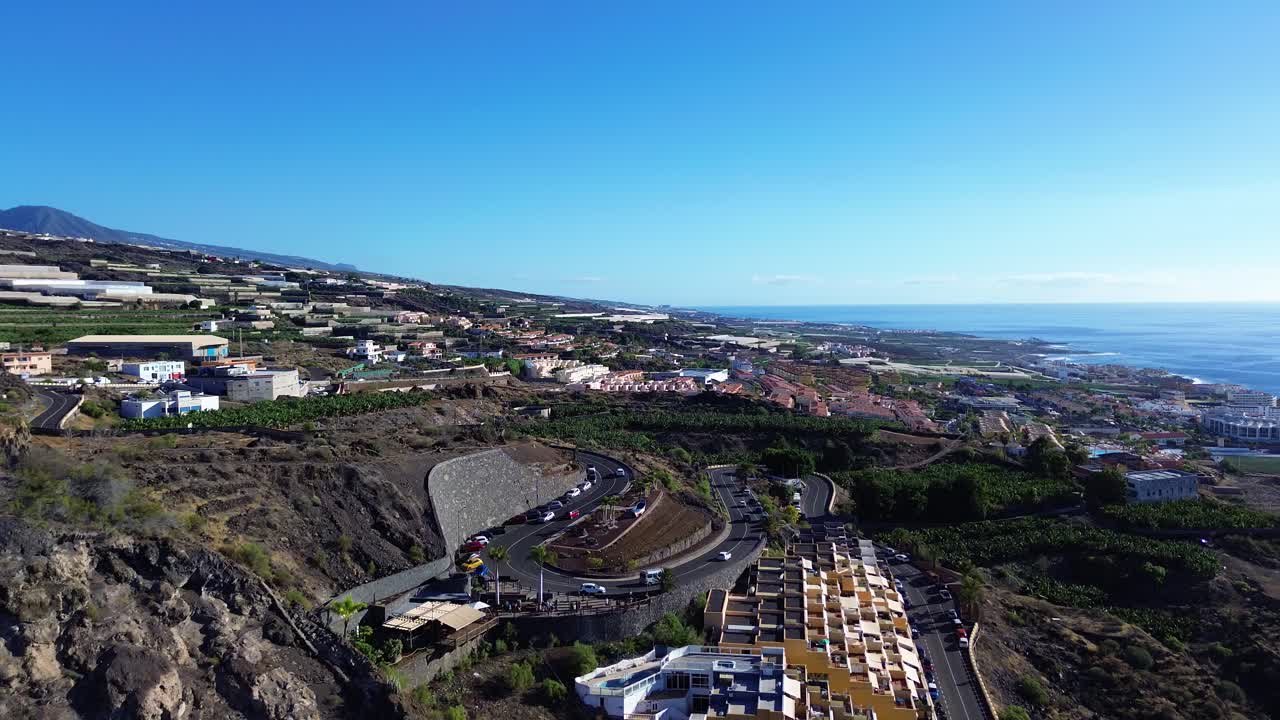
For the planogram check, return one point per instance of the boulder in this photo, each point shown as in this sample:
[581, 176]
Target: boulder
[140, 684]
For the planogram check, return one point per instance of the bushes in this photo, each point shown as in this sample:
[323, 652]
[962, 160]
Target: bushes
[252, 556]
[1013, 712]
[519, 677]
[1033, 691]
[1138, 657]
[92, 409]
[582, 659]
[1231, 692]
[554, 692]
[672, 631]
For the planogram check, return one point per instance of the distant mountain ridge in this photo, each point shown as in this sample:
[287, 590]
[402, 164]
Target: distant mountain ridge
[52, 221]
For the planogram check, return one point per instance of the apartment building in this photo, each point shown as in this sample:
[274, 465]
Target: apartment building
[840, 622]
[178, 402]
[27, 363]
[695, 681]
[265, 385]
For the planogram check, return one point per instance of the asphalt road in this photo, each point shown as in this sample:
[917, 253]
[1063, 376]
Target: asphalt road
[520, 539]
[59, 404]
[815, 498]
[929, 614]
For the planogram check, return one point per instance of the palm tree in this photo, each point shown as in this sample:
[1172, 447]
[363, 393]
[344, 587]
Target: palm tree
[970, 594]
[498, 553]
[542, 555]
[607, 508]
[346, 608]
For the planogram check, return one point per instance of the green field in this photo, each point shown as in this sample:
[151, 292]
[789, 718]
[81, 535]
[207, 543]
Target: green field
[1266, 465]
[25, 325]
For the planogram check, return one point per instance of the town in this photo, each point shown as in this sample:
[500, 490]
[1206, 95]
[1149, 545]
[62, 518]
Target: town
[463, 501]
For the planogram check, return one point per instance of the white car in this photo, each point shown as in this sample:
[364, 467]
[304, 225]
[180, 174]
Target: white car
[620, 472]
[725, 555]
[573, 492]
[592, 589]
[586, 485]
[964, 643]
[901, 557]
[548, 517]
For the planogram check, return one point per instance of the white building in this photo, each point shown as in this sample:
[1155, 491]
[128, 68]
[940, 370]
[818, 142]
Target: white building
[366, 350]
[581, 373]
[265, 385]
[1162, 485]
[706, 376]
[694, 681]
[178, 402]
[155, 370]
[1255, 425]
[1250, 399]
[208, 325]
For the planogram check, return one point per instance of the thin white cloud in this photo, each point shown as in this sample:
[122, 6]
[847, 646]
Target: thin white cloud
[588, 279]
[1091, 279]
[785, 280]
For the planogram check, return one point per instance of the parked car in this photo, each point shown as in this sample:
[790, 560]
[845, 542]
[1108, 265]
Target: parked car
[933, 691]
[586, 485]
[472, 546]
[481, 538]
[555, 505]
[960, 631]
[945, 594]
[548, 517]
[638, 509]
[573, 493]
[472, 564]
[964, 643]
[573, 515]
[592, 589]
[915, 633]
[902, 557]
[953, 614]
[725, 555]
[518, 520]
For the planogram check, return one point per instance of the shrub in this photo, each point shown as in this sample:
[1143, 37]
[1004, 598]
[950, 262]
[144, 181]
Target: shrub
[252, 556]
[519, 677]
[455, 712]
[422, 697]
[92, 409]
[553, 691]
[344, 543]
[1231, 692]
[1138, 657]
[1220, 652]
[194, 523]
[582, 659]
[1033, 691]
[417, 555]
[500, 646]
[296, 598]
[1013, 712]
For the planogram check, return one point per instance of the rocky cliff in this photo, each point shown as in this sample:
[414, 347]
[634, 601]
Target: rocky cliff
[100, 626]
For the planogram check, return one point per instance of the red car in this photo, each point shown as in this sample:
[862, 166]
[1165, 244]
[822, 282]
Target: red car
[517, 520]
[573, 514]
[961, 632]
[472, 546]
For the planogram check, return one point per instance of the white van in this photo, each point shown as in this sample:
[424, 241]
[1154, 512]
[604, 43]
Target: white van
[651, 577]
[795, 499]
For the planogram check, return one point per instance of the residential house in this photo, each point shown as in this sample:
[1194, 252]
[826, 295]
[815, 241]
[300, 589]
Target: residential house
[177, 402]
[27, 364]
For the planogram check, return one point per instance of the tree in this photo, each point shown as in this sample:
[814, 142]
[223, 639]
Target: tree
[346, 608]
[672, 631]
[667, 580]
[970, 594]
[744, 471]
[1106, 488]
[498, 553]
[1046, 459]
[541, 554]
[788, 461]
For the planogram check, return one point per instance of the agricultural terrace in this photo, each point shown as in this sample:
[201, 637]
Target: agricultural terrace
[1196, 514]
[26, 326]
[287, 412]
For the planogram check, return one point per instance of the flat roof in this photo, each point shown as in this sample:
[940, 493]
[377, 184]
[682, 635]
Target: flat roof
[194, 339]
[453, 615]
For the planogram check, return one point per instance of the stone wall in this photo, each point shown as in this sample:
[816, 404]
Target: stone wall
[630, 622]
[484, 489]
[424, 667]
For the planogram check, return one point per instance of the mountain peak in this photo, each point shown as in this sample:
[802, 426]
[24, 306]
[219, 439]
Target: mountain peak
[53, 221]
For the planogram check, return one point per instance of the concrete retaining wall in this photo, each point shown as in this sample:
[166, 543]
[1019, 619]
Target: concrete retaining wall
[484, 489]
[972, 655]
[389, 586]
[628, 623]
[424, 668]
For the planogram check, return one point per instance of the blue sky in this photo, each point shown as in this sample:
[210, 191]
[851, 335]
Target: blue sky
[691, 153]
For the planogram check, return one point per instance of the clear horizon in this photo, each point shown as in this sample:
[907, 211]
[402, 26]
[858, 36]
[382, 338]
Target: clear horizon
[716, 154]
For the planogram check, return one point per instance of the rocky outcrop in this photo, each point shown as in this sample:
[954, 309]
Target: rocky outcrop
[98, 626]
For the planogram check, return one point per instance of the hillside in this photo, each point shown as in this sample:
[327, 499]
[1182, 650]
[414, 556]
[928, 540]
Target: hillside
[52, 221]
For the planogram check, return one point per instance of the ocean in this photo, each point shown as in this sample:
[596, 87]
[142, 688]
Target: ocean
[1211, 342]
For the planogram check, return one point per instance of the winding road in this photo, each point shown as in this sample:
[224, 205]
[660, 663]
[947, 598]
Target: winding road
[743, 535]
[59, 404]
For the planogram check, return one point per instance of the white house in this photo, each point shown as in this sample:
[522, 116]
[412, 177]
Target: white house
[178, 402]
[366, 350]
[155, 370]
[208, 325]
